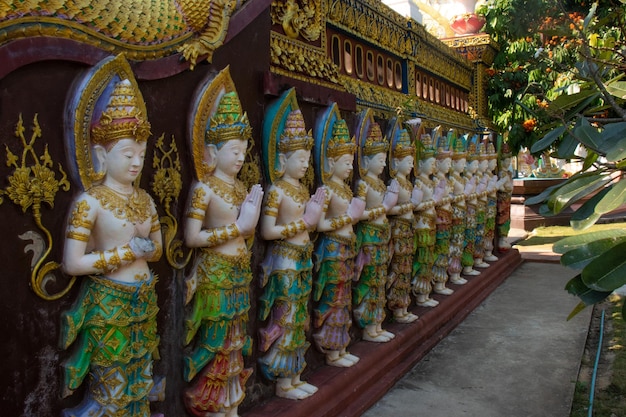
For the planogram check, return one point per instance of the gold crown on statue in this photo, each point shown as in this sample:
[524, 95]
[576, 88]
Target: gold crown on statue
[459, 150]
[482, 151]
[375, 142]
[295, 135]
[472, 152]
[228, 122]
[122, 118]
[425, 146]
[402, 146]
[442, 148]
[491, 151]
[340, 142]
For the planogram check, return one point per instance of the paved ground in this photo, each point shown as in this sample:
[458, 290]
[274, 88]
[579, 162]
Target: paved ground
[514, 356]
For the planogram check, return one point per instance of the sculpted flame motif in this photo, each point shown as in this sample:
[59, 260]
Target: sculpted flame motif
[141, 29]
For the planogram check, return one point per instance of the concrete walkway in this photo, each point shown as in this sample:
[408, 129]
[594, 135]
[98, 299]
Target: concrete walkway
[514, 356]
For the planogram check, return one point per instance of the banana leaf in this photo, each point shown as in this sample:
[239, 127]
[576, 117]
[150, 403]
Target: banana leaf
[608, 271]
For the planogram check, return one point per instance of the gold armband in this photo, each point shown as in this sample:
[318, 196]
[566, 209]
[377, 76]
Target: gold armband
[79, 216]
[271, 204]
[194, 215]
[156, 225]
[293, 228]
[406, 207]
[361, 190]
[376, 213]
[340, 221]
[223, 234]
[72, 234]
[156, 255]
[112, 259]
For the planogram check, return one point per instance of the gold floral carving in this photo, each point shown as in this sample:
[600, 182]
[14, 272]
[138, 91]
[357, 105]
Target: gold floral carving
[31, 186]
[167, 184]
[298, 18]
[371, 20]
[141, 29]
[301, 61]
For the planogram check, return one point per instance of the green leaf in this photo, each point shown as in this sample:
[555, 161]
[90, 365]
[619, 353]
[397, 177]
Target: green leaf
[618, 89]
[617, 152]
[590, 159]
[589, 17]
[565, 102]
[541, 197]
[608, 271]
[573, 191]
[547, 140]
[577, 287]
[582, 224]
[615, 197]
[581, 256]
[579, 307]
[567, 147]
[588, 135]
[586, 216]
[572, 242]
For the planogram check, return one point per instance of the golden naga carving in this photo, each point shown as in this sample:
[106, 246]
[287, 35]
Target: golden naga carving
[32, 186]
[167, 184]
[141, 29]
[298, 17]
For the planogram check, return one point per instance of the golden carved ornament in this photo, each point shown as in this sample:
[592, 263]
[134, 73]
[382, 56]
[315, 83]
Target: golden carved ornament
[31, 186]
[301, 61]
[167, 184]
[371, 20]
[141, 29]
[298, 18]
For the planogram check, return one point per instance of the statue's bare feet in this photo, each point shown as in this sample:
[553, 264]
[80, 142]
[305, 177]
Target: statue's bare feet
[306, 387]
[443, 290]
[458, 280]
[405, 317]
[340, 362]
[468, 270]
[503, 245]
[285, 389]
[427, 302]
[350, 357]
[479, 263]
[375, 337]
[232, 412]
[490, 257]
[387, 334]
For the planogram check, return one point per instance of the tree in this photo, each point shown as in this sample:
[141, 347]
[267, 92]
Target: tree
[572, 89]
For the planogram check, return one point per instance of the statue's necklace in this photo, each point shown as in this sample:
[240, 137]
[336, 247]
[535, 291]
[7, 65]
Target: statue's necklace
[342, 190]
[375, 183]
[404, 183]
[233, 194]
[298, 193]
[134, 207]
